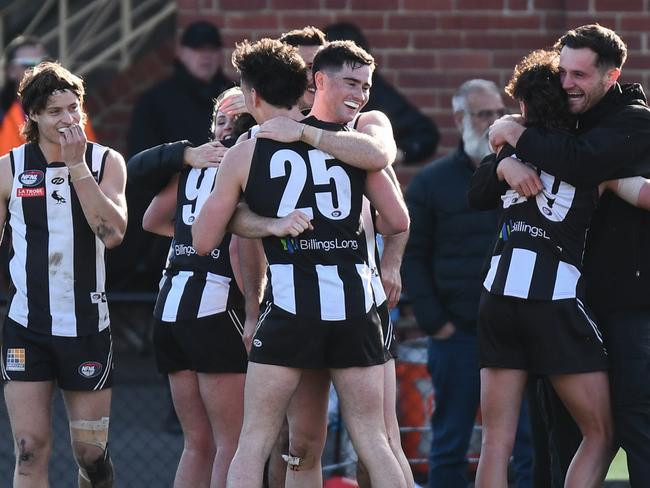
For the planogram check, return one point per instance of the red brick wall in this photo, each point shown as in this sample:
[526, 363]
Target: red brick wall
[428, 47]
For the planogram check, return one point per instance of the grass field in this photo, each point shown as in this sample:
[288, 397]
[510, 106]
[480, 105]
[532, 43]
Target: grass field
[618, 469]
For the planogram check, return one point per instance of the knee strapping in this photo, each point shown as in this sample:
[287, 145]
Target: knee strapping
[297, 463]
[92, 432]
[99, 474]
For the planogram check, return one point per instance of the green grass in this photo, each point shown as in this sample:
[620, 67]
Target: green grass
[618, 468]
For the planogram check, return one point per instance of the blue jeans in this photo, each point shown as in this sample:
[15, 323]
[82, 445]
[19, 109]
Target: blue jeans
[453, 366]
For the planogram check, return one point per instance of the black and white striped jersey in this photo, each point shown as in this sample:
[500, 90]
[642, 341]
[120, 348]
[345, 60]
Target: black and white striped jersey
[195, 286]
[322, 273]
[539, 250]
[57, 263]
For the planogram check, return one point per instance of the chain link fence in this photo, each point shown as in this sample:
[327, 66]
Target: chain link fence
[145, 442]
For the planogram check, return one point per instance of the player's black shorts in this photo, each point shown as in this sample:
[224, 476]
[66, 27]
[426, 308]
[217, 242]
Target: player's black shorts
[388, 330]
[75, 363]
[542, 337]
[211, 344]
[284, 339]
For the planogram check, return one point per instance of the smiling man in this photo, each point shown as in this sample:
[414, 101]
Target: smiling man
[63, 199]
[321, 313]
[611, 140]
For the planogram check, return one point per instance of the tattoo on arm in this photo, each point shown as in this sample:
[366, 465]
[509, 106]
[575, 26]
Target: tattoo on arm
[103, 231]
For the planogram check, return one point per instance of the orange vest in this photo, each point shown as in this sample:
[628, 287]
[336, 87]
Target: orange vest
[13, 121]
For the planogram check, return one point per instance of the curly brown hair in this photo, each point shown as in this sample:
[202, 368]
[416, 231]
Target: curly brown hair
[536, 82]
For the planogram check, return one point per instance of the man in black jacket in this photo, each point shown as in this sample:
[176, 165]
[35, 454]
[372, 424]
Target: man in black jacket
[442, 272]
[611, 140]
[174, 109]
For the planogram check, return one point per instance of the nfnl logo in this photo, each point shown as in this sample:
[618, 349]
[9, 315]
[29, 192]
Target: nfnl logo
[32, 177]
[90, 369]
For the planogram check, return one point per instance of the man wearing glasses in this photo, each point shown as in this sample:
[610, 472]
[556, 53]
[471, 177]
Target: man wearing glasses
[23, 53]
[442, 275]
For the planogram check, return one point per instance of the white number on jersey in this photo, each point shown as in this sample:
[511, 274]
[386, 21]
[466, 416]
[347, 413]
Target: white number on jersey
[197, 193]
[321, 175]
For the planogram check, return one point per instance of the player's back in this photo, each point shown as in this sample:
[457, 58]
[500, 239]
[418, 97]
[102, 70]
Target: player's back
[321, 273]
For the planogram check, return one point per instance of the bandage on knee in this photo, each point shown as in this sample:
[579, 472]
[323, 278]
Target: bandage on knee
[93, 432]
[297, 463]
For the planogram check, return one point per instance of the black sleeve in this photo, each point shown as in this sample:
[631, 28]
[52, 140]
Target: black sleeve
[153, 168]
[619, 147]
[415, 133]
[145, 129]
[485, 189]
[417, 264]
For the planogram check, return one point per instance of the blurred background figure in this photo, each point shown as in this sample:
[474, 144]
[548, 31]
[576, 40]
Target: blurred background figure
[22, 53]
[415, 133]
[174, 109]
[443, 273]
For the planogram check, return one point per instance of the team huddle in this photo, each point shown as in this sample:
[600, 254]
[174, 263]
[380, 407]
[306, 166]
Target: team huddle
[273, 287]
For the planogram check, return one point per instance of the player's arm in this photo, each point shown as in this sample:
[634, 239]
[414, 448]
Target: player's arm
[103, 205]
[246, 223]
[252, 265]
[159, 216]
[634, 190]
[211, 223]
[6, 183]
[393, 216]
[371, 149]
[391, 257]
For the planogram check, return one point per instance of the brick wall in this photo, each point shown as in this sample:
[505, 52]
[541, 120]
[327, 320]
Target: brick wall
[425, 47]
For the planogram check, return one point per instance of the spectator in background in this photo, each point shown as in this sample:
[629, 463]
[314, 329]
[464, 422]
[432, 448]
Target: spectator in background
[177, 108]
[22, 53]
[415, 133]
[442, 272]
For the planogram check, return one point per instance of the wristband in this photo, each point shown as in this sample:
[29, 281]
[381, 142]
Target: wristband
[319, 134]
[88, 175]
[302, 131]
[76, 165]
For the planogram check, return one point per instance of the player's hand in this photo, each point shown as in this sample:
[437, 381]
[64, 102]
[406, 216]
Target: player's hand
[249, 332]
[445, 332]
[233, 103]
[207, 155]
[281, 129]
[392, 282]
[520, 177]
[292, 225]
[73, 144]
[505, 126]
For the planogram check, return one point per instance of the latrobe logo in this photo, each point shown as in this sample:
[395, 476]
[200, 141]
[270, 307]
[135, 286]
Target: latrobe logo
[520, 226]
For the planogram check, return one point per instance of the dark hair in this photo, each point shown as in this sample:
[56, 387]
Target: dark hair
[610, 49]
[536, 82]
[307, 36]
[346, 31]
[339, 53]
[36, 87]
[274, 69]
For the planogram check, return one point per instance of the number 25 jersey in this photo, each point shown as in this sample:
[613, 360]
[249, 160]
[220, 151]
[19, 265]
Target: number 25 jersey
[322, 273]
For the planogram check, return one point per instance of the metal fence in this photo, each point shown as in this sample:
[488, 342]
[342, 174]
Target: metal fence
[145, 444]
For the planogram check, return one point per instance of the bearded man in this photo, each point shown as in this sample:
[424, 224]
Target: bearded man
[442, 274]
